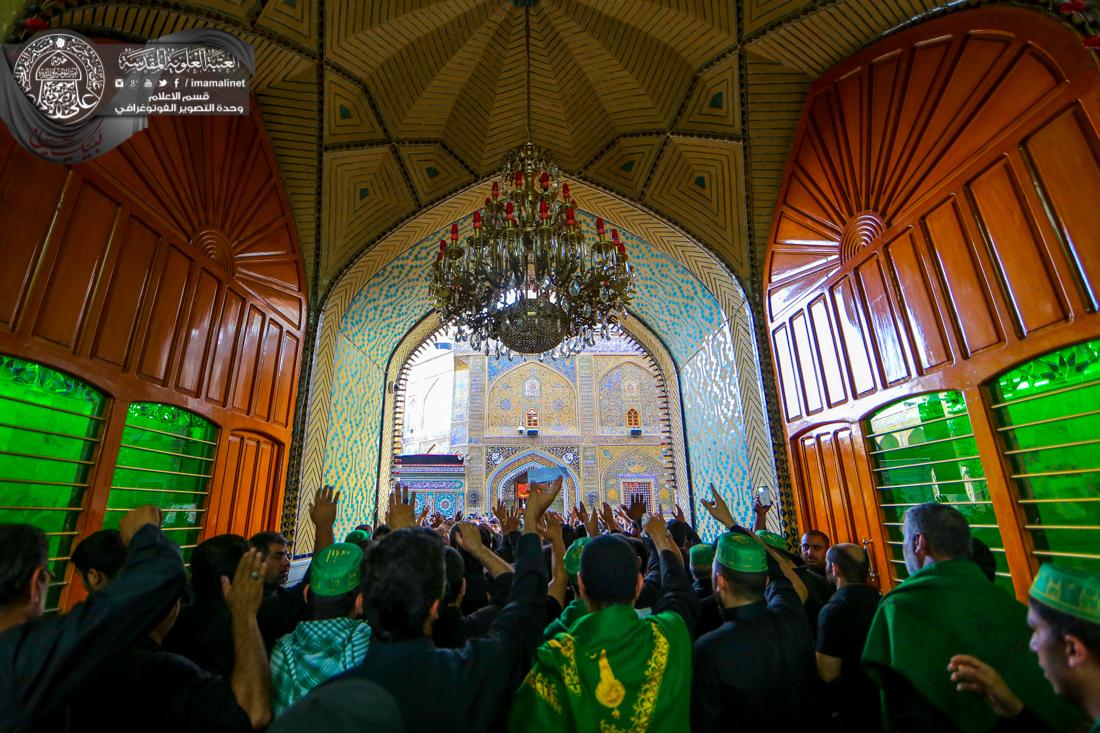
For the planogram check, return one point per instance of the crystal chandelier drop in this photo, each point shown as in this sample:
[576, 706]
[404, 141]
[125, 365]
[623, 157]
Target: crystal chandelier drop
[528, 280]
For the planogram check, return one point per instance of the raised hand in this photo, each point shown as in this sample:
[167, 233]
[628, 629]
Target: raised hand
[658, 532]
[322, 512]
[400, 513]
[626, 522]
[635, 510]
[608, 518]
[553, 531]
[423, 515]
[591, 521]
[244, 594]
[973, 675]
[469, 537]
[678, 513]
[137, 518]
[458, 516]
[542, 496]
[718, 509]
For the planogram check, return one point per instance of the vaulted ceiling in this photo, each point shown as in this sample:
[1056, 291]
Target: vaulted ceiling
[377, 109]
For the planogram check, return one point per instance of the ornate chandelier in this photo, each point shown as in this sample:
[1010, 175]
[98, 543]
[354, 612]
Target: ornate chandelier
[528, 279]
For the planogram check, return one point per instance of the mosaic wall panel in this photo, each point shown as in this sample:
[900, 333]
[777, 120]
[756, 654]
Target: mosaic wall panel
[590, 472]
[585, 381]
[391, 421]
[447, 503]
[633, 464]
[511, 396]
[351, 458]
[715, 430]
[499, 479]
[623, 386]
[691, 260]
[670, 301]
[461, 391]
[476, 497]
[566, 367]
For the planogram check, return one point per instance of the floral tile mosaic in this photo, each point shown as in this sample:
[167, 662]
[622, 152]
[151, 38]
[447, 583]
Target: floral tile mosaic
[669, 300]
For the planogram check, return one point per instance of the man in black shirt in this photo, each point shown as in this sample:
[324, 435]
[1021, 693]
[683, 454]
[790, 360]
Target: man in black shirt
[472, 686]
[155, 690]
[701, 557]
[758, 667]
[44, 660]
[818, 589]
[815, 544]
[283, 607]
[851, 697]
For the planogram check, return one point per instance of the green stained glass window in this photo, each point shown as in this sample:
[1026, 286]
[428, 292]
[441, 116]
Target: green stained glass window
[166, 458]
[50, 429]
[1047, 413]
[922, 449]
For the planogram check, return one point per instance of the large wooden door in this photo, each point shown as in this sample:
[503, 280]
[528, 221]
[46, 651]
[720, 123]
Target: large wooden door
[166, 272]
[936, 225]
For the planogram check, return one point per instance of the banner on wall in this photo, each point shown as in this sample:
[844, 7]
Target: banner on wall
[68, 100]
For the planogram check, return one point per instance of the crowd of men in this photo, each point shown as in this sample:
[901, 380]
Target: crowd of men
[609, 620]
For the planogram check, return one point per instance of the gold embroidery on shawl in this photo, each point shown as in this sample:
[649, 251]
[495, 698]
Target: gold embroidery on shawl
[544, 689]
[569, 675]
[651, 687]
[609, 691]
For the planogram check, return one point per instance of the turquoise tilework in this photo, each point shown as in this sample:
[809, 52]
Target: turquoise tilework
[715, 430]
[351, 455]
[669, 299]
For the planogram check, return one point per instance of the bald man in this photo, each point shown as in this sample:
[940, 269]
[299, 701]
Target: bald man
[842, 628]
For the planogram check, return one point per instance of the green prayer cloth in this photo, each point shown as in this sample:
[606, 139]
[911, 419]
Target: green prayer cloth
[311, 654]
[950, 608]
[610, 672]
[569, 616]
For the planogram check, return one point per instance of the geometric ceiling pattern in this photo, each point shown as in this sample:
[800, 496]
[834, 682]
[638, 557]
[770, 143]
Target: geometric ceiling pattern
[380, 109]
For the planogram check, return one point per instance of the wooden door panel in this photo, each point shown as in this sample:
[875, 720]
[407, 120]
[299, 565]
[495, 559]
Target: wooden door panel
[196, 336]
[116, 329]
[1016, 249]
[825, 343]
[1065, 157]
[167, 310]
[916, 298]
[29, 194]
[884, 322]
[947, 177]
[81, 249]
[971, 305]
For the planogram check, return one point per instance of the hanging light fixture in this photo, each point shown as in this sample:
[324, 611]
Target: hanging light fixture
[528, 280]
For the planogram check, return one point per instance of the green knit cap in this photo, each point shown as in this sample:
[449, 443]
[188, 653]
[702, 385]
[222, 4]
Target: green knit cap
[741, 553]
[701, 555]
[357, 535]
[336, 570]
[573, 557]
[1068, 590]
[771, 539]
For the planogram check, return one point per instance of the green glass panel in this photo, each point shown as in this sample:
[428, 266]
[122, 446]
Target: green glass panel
[922, 449]
[50, 424]
[1052, 445]
[167, 459]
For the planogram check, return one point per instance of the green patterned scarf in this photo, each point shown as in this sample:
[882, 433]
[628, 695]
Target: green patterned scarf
[311, 654]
